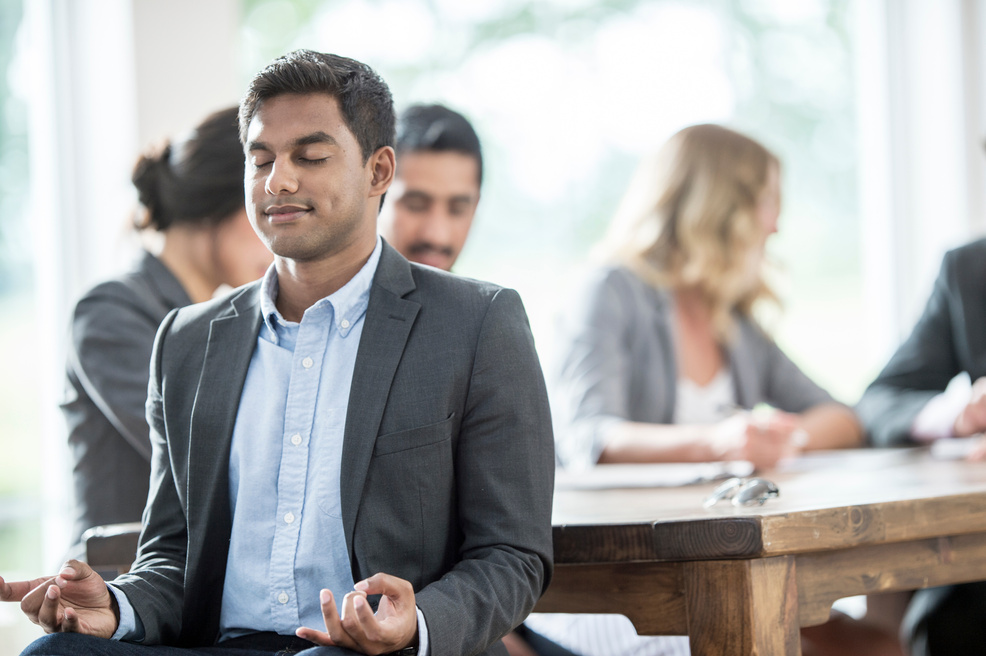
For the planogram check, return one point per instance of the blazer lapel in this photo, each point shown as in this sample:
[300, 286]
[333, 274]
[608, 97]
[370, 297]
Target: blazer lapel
[232, 337]
[663, 320]
[744, 372]
[388, 322]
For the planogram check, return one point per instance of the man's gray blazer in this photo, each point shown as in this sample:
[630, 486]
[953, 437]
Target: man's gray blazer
[949, 338]
[447, 462]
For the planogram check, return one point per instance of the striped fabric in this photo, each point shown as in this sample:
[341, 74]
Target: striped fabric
[604, 635]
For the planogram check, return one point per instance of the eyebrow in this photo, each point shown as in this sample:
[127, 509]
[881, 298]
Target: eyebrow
[306, 140]
[458, 198]
[414, 193]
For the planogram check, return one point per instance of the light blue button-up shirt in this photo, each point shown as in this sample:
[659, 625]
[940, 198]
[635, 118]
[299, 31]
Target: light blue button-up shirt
[287, 542]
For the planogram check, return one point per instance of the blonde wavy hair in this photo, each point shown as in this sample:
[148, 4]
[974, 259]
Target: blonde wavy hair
[689, 220]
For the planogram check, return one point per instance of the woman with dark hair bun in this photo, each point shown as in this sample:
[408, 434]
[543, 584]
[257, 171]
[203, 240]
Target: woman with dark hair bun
[191, 194]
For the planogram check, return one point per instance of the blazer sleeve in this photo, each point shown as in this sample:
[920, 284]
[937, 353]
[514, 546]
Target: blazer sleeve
[504, 479]
[111, 343]
[156, 591]
[787, 387]
[920, 369]
[591, 390]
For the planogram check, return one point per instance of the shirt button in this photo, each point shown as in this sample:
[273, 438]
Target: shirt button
[289, 518]
[283, 597]
[307, 363]
[296, 439]
[344, 323]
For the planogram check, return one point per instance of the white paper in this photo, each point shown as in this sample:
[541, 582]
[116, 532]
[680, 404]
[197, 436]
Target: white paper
[669, 474]
[954, 448]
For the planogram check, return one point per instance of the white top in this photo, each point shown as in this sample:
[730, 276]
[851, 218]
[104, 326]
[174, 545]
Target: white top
[705, 404]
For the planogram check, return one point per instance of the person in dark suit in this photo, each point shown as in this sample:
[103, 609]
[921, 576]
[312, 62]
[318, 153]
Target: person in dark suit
[191, 197]
[906, 404]
[911, 402]
[353, 454]
[431, 206]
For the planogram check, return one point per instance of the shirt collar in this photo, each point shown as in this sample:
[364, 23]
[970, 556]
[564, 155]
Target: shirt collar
[346, 305]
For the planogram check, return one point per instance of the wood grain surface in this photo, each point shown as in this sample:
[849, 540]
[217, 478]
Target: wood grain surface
[742, 581]
[838, 503]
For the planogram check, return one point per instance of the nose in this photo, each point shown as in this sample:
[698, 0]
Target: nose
[772, 226]
[436, 228]
[281, 179]
[769, 218]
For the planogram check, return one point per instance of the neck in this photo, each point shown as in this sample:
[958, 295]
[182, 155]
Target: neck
[302, 284]
[699, 357]
[187, 253]
[692, 305]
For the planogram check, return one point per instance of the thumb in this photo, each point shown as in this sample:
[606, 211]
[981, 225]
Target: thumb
[385, 584]
[76, 570]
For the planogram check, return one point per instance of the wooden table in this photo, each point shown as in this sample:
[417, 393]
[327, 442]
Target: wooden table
[744, 580]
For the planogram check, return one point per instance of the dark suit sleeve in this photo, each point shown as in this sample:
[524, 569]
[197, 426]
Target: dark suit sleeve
[504, 472]
[156, 591]
[921, 367]
[110, 349]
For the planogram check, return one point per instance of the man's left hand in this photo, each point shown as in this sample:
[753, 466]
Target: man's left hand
[393, 627]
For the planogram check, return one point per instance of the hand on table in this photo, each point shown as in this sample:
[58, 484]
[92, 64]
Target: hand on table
[978, 451]
[75, 601]
[972, 419]
[393, 627]
[763, 438]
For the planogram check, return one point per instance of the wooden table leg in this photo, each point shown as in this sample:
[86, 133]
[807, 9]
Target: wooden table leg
[650, 594]
[742, 607]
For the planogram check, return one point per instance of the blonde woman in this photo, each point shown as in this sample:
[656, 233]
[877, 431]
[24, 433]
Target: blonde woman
[661, 358]
[662, 352]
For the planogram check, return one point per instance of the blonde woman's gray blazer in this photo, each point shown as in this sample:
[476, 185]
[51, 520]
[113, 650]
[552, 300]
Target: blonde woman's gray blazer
[616, 363]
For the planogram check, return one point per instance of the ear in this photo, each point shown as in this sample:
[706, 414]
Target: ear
[381, 166]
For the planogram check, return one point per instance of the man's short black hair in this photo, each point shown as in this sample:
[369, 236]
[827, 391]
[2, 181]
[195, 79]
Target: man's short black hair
[364, 98]
[437, 128]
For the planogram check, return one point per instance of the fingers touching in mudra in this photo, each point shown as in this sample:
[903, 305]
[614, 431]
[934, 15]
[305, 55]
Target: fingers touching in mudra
[354, 625]
[76, 600]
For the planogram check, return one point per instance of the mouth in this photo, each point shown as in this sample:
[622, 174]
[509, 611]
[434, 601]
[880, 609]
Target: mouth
[424, 249]
[285, 213]
[436, 256]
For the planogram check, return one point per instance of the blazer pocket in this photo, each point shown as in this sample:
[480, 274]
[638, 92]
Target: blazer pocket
[413, 438]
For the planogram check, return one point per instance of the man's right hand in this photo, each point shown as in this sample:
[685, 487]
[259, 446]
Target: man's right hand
[972, 419]
[75, 601]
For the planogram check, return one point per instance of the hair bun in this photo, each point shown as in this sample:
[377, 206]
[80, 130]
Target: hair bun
[152, 176]
[194, 179]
